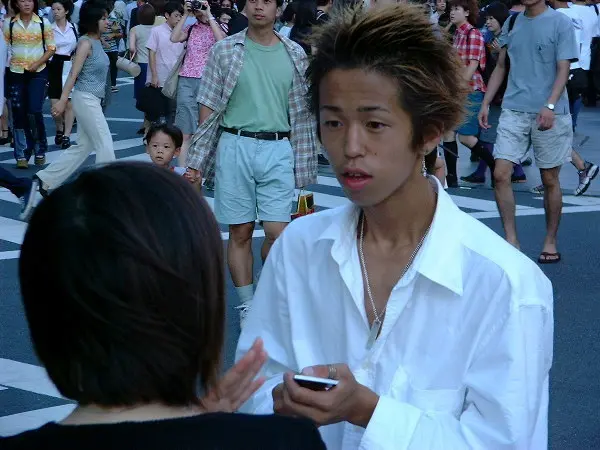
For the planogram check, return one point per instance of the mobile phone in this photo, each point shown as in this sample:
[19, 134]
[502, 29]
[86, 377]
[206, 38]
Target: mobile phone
[315, 383]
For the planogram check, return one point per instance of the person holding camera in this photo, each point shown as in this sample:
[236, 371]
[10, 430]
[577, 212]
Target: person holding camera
[200, 38]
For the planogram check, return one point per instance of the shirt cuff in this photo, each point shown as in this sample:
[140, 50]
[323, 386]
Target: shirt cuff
[392, 425]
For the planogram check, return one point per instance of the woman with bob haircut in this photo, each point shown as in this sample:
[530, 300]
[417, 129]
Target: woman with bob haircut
[125, 300]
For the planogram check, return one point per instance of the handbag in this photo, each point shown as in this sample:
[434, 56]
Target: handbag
[306, 204]
[128, 65]
[150, 101]
[169, 89]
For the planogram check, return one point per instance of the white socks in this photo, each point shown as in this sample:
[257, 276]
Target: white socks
[245, 293]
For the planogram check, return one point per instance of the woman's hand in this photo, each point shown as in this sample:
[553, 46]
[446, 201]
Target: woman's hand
[59, 108]
[239, 383]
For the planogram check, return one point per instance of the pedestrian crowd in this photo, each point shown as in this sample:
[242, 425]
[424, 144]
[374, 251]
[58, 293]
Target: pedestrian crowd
[395, 322]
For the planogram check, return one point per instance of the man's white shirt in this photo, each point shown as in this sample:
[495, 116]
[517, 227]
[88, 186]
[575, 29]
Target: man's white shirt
[577, 22]
[589, 28]
[463, 357]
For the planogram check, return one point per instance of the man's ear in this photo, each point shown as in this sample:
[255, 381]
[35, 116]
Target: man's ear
[431, 140]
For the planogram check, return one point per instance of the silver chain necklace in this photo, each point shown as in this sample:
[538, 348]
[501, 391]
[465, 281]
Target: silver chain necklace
[374, 332]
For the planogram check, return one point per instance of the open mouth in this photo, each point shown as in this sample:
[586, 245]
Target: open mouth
[355, 179]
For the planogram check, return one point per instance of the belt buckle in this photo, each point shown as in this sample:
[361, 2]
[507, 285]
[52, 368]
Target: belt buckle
[276, 135]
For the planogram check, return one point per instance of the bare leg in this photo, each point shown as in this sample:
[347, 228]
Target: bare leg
[505, 198]
[577, 160]
[239, 253]
[552, 205]
[272, 232]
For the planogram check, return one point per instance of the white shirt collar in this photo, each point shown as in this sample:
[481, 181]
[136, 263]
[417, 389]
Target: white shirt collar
[441, 267]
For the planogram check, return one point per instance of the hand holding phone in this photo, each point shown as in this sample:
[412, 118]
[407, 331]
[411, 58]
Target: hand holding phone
[315, 383]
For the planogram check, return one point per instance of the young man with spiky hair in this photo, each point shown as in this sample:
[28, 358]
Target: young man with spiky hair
[437, 332]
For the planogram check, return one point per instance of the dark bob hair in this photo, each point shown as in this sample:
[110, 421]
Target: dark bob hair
[89, 15]
[146, 14]
[172, 131]
[67, 4]
[122, 278]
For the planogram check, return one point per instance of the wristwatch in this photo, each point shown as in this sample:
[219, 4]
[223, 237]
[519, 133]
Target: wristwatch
[550, 106]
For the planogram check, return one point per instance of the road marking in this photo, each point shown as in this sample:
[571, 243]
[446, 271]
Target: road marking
[115, 119]
[27, 377]
[12, 230]
[31, 378]
[124, 144]
[579, 201]
[10, 254]
[30, 420]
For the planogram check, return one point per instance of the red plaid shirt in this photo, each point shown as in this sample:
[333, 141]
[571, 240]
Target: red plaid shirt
[470, 45]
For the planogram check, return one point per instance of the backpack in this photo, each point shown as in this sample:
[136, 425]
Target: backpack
[10, 31]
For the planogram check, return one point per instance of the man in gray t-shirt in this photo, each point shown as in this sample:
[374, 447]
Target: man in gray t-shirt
[541, 45]
[534, 46]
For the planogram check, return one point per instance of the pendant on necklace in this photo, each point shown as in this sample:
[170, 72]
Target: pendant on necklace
[373, 333]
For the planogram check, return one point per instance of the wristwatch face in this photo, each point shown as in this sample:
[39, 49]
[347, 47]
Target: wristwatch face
[550, 106]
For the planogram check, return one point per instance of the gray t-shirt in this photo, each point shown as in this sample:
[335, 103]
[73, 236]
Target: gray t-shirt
[535, 45]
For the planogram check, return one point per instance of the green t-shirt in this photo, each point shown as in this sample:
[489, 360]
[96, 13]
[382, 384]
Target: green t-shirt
[259, 101]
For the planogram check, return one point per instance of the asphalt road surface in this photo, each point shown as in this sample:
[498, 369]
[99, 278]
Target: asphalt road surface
[28, 399]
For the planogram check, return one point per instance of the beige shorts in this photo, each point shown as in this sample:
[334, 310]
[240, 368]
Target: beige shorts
[518, 130]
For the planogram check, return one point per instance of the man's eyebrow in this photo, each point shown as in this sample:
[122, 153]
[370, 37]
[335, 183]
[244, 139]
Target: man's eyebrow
[359, 109]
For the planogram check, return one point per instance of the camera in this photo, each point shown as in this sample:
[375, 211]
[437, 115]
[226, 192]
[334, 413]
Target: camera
[197, 5]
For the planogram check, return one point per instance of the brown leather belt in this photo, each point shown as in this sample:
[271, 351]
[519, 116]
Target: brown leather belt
[264, 135]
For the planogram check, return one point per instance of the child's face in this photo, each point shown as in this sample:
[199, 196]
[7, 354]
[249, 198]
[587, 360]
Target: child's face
[161, 149]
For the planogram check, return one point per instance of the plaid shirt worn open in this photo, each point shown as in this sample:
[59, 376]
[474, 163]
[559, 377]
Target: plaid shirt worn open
[218, 82]
[470, 45]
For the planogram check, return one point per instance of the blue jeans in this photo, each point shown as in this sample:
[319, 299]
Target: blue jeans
[27, 92]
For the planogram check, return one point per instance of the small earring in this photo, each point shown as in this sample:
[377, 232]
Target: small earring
[424, 167]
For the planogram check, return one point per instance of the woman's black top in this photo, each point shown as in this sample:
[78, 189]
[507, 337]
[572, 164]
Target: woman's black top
[217, 431]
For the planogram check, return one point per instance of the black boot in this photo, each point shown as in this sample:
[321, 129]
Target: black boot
[451, 156]
[483, 153]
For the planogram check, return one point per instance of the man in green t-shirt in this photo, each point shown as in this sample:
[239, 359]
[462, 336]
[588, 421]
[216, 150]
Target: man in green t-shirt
[258, 134]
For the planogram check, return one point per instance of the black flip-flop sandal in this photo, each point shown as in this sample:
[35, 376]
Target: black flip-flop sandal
[549, 258]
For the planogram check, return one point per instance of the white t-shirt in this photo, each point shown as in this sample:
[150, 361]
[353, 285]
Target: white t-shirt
[577, 22]
[589, 22]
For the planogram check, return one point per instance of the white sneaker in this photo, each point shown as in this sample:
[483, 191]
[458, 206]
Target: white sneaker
[244, 308]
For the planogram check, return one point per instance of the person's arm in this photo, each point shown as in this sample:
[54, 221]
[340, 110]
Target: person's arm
[180, 32]
[218, 33]
[50, 48]
[562, 76]
[205, 113]
[132, 41]
[475, 52]
[210, 93]
[154, 81]
[83, 51]
[567, 51]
